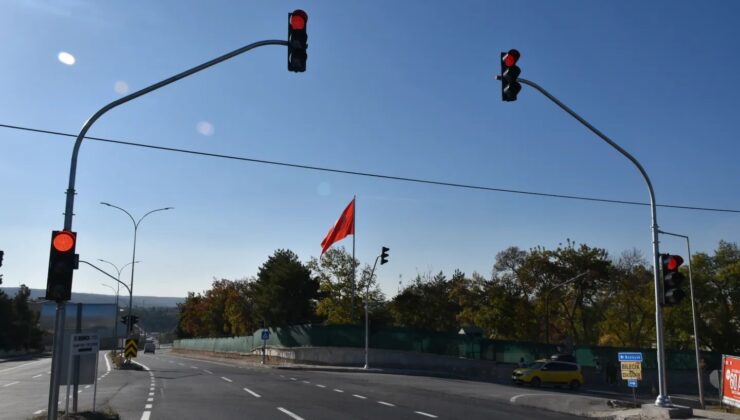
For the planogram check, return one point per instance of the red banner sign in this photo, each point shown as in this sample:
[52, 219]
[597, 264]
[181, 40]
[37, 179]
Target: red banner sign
[731, 380]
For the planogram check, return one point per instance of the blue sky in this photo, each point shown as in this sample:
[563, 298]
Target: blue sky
[400, 88]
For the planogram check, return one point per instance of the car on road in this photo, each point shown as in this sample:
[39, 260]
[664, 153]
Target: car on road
[549, 372]
[149, 348]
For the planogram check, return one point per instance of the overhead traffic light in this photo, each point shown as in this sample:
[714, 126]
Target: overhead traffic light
[297, 41]
[509, 74]
[62, 263]
[2, 253]
[384, 255]
[672, 279]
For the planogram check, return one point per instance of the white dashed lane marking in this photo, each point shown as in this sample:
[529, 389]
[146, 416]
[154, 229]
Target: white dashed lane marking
[10, 384]
[293, 415]
[36, 376]
[425, 414]
[226, 379]
[386, 403]
[359, 396]
[321, 386]
[254, 394]
[208, 371]
[338, 390]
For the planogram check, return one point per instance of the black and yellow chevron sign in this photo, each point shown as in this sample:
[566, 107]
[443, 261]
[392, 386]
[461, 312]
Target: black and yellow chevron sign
[130, 349]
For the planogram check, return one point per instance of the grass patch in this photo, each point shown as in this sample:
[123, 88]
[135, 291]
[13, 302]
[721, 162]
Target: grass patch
[121, 363]
[106, 413]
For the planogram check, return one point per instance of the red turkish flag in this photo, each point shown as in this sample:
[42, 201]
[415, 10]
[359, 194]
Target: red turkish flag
[344, 227]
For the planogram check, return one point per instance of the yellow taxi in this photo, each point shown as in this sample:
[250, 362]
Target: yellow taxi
[549, 372]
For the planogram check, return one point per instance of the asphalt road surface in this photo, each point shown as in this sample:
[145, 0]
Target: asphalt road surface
[178, 387]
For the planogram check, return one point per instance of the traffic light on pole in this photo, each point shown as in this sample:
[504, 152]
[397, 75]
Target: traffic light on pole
[297, 41]
[384, 255]
[62, 263]
[672, 279]
[509, 74]
[2, 253]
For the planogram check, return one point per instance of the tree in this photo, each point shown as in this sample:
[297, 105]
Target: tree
[334, 271]
[284, 292]
[426, 304]
[629, 318]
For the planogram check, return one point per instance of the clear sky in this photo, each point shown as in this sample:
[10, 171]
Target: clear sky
[396, 87]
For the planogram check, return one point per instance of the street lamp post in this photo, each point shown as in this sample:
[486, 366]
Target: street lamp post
[118, 287]
[693, 316]
[129, 327]
[547, 303]
[115, 317]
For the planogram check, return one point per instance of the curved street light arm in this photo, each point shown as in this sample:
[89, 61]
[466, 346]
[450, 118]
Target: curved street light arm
[123, 210]
[153, 211]
[69, 207]
[104, 272]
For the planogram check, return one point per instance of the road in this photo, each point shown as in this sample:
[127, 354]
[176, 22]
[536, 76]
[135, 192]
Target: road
[177, 387]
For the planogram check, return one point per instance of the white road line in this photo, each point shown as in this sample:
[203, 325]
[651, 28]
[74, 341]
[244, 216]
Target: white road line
[359, 396]
[295, 416]
[10, 384]
[36, 376]
[181, 364]
[306, 382]
[516, 397]
[107, 363]
[321, 386]
[338, 390]
[20, 366]
[386, 403]
[38, 412]
[151, 394]
[148, 407]
[208, 371]
[151, 389]
[254, 394]
[193, 367]
[145, 415]
[142, 365]
[226, 379]
[293, 379]
[425, 414]
[150, 399]
[87, 386]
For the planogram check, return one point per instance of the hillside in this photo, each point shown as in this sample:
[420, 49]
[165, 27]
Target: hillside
[139, 301]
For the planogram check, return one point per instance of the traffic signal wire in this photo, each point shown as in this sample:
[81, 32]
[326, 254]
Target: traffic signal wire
[372, 175]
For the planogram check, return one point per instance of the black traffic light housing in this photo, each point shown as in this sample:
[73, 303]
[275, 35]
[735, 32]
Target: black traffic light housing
[62, 263]
[2, 254]
[672, 279]
[297, 41]
[509, 74]
[384, 255]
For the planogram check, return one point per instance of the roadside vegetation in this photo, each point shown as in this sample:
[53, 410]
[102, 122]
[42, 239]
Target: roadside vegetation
[19, 331]
[612, 304]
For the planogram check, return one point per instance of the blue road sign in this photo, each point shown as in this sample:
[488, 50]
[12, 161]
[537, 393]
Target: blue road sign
[265, 335]
[630, 357]
[632, 383]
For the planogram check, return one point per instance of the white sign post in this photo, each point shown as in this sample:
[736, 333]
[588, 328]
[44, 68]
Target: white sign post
[81, 344]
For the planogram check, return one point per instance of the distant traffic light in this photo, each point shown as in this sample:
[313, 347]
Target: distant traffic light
[672, 279]
[509, 74]
[134, 319]
[384, 255]
[2, 253]
[297, 41]
[62, 263]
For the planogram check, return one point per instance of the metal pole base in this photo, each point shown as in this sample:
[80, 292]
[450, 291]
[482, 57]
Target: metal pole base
[663, 401]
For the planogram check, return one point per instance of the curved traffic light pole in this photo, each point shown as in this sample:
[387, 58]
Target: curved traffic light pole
[663, 399]
[69, 207]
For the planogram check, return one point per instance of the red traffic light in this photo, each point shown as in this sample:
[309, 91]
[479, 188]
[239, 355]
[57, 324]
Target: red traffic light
[511, 58]
[63, 241]
[298, 20]
[674, 261]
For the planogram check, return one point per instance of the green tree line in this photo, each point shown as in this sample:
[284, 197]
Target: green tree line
[18, 323]
[573, 293]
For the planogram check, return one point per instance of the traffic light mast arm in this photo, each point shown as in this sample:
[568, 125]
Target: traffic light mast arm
[663, 399]
[69, 208]
[103, 271]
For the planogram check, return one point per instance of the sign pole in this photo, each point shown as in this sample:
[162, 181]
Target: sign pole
[69, 377]
[95, 379]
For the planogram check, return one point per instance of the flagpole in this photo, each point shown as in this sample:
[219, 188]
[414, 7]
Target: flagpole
[354, 264]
